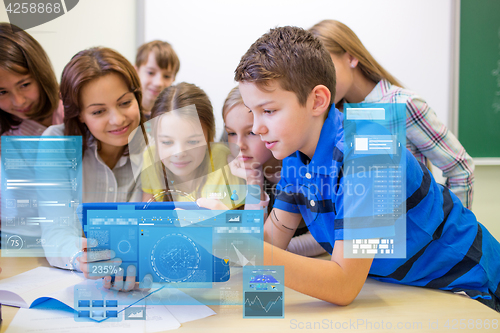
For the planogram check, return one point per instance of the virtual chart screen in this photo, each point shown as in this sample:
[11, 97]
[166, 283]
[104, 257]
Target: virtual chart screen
[374, 180]
[263, 288]
[200, 251]
[41, 186]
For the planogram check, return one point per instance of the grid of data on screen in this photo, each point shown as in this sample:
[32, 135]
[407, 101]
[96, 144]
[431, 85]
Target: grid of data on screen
[201, 252]
[41, 186]
[374, 180]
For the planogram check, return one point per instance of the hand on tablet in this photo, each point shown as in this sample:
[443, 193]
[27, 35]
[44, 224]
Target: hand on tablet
[103, 264]
[96, 264]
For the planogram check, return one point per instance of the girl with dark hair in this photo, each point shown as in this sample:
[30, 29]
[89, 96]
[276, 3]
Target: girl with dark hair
[29, 94]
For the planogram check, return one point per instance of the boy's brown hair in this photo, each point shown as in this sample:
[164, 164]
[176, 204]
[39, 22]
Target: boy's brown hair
[165, 56]
[293, 57]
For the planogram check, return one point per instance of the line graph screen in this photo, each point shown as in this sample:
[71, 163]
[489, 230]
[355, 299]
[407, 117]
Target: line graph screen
[263, 291]
[263, 304]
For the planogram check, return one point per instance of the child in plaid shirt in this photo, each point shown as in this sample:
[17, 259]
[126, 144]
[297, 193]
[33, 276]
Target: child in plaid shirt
[360, 79]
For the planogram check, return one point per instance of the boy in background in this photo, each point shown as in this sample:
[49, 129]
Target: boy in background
[157, 65]
[287, 80]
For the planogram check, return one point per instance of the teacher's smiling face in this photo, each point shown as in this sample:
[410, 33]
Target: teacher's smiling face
[109, 109]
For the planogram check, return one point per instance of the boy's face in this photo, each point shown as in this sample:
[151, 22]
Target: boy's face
[282, 123]
[153, 80]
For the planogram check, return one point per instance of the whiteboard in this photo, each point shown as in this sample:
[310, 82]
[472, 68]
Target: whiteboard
[412, 39]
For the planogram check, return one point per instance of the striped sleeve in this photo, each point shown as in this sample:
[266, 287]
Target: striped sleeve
[285, 197]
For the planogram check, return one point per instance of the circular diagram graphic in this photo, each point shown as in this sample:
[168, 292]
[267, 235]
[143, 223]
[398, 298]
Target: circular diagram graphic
[15, 243]
[175, 258]
[124, 246]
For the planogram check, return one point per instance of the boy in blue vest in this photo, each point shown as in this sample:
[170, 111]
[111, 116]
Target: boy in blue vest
[287, 80]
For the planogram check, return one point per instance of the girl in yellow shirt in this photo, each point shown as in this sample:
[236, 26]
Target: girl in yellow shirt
[184, 163]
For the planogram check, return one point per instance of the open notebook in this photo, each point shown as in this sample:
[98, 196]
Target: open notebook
[45, 288]
[38, 285]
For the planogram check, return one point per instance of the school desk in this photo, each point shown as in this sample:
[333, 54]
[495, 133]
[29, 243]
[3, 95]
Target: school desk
[379, 307]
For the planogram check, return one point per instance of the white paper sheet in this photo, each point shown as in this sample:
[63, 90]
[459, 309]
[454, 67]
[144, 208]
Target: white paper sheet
[158, 319]
[23, 289]
[58, 321]
[56, 314]
[185, 313]
[193, 309]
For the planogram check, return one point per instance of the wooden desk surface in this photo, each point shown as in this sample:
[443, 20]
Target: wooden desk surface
[380, 307]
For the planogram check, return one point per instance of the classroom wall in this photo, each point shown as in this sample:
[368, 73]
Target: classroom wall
[486, 204]
[110, 23]
[411, 38]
